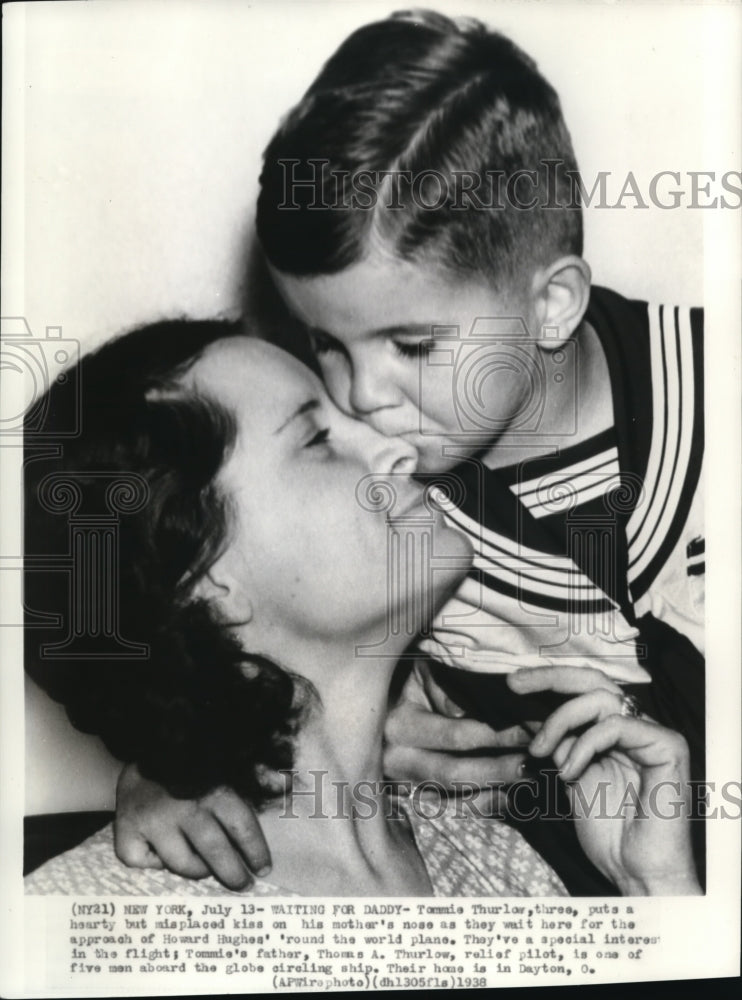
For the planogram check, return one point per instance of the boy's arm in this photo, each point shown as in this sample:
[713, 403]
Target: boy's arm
[218, 834]
[428, 737]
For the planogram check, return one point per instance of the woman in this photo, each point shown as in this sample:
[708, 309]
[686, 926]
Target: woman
[254, 573]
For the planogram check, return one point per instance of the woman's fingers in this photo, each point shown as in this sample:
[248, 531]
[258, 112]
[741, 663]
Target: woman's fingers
[647, 743]
[437, 697]
[572, 715]
[561, 753]
[414, 687]
[562, 679]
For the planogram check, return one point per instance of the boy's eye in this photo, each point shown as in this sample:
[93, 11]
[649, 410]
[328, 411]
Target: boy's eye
[412, 348]
[321, 437]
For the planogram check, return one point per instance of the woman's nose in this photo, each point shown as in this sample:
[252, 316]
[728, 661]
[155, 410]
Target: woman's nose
[394, 456]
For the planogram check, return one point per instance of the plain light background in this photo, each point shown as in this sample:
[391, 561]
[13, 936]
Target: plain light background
[145, 122]
[136, 175]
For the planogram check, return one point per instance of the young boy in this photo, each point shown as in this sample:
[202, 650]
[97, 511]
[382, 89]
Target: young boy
[419, 212]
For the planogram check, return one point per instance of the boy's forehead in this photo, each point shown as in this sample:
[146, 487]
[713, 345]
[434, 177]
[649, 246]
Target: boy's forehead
[378, 296]
[349, 297]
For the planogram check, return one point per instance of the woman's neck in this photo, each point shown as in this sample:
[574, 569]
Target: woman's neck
[332, 833]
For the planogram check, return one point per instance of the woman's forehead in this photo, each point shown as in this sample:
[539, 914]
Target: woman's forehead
[247, 373]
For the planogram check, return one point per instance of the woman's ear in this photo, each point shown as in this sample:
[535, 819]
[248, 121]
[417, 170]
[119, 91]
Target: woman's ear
[561, 292]
[222, 588]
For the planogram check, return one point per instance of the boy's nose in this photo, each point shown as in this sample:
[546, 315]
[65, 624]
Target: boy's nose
[369, 390]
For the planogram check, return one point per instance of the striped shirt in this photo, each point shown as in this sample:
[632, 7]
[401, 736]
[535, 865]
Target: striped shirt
[573, 548]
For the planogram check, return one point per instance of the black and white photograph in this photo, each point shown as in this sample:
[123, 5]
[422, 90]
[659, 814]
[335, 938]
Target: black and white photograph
[371, 390]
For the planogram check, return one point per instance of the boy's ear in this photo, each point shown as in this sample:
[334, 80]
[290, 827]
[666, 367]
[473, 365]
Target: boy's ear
[223, 589]
[561, 292]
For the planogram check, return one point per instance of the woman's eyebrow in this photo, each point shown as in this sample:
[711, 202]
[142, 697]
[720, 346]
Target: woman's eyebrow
[306, 407]
[317, 331]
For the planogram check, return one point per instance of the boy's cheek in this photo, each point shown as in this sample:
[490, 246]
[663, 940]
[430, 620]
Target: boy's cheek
[439, 425]
[435, 402]
[337, 383]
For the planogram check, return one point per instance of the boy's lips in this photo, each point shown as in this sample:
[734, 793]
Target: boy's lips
[423, 500]
[429, 434]
[402, 434]
[421, 440]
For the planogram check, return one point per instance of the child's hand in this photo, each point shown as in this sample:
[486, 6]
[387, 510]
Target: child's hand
[218, 834]
[427, 738]
[628, 781]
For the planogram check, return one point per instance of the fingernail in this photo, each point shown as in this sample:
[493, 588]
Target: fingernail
[262, 872]
[538, 741]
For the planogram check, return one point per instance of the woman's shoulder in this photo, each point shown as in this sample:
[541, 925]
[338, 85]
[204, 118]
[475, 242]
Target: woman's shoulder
[92, 869]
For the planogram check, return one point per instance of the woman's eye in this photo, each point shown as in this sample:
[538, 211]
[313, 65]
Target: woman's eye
[321, 345]
[321, 437]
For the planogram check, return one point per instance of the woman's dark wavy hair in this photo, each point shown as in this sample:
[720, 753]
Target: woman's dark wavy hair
[420, 92]
[197, 711]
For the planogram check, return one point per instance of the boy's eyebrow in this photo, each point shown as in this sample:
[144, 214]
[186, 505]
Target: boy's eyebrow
[306, 407]
[406, 329]
[396, 329]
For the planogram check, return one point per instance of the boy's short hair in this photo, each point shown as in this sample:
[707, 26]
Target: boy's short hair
[411, 130]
